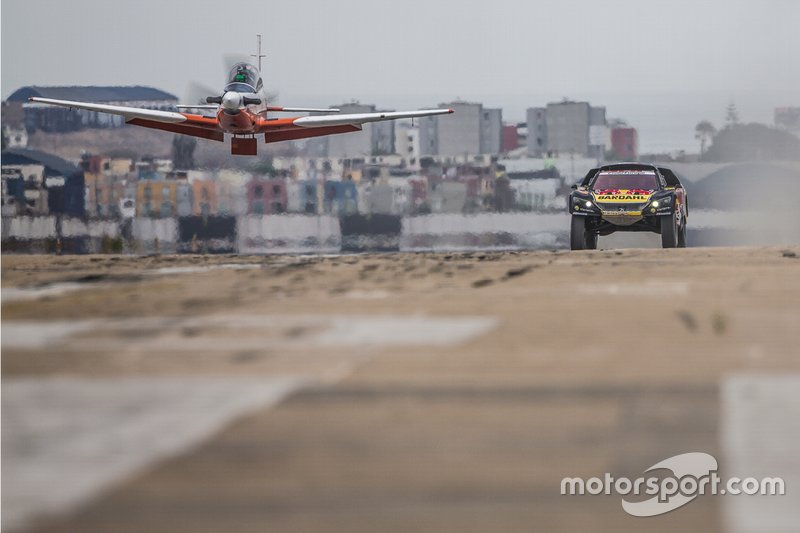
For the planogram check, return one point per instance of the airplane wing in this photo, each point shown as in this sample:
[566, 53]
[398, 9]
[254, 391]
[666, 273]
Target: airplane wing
[303, 127]
[302, 109]
[185, 123]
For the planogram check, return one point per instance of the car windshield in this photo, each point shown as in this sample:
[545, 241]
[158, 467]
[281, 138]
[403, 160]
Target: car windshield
[625, 179]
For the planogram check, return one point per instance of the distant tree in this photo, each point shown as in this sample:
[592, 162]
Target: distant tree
[753, 142]
[183, 152]
[704, 132]
[731, 115]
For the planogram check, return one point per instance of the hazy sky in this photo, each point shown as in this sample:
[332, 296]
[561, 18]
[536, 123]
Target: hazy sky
[417, 52]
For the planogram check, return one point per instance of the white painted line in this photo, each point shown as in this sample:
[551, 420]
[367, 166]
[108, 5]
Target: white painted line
[65, 440]
[38, 334]
[197, 269]
[238, 332]
[402, 331]
[17, 294]
[646, 288]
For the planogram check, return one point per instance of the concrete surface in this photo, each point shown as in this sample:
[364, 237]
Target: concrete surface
[429, 391]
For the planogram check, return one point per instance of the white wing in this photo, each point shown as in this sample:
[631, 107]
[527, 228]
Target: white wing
[302, 109]
[362, 118]
[127, 112]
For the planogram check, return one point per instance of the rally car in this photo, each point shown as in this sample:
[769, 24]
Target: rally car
[628, 197]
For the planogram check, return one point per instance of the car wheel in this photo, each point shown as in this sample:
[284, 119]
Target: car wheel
[591, 240]
[669, 231]
[682, 235]
[577, 233]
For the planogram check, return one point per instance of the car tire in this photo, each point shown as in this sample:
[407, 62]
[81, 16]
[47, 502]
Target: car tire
[590, 240]
[682, 234]
[577, 233]
[669, 231]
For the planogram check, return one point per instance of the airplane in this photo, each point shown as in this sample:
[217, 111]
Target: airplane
[242, 112]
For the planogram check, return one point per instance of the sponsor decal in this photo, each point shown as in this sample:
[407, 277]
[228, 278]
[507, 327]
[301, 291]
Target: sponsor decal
[623, 195]
[617, 172]
[622, 213]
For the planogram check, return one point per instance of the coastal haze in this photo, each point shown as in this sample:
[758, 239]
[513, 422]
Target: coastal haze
[357, 336]
[662, 66]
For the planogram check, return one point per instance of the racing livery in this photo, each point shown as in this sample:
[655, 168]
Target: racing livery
[628, 197]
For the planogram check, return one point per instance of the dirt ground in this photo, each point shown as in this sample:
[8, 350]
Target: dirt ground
[435, 391]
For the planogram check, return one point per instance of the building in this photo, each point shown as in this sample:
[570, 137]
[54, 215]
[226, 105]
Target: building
[59, 119]
[491, 131]
[204, 200]
[407, 143]
[157, 198]
[537, 194]
[510, 138]
[471, 130]
[625, 143]
[110, 186]
[564, 128]
[37, 183]
[15, 137]
[104, 195]
[340, 198]
[266, 196]
[537, 131]
[383, 137]
[376, 138]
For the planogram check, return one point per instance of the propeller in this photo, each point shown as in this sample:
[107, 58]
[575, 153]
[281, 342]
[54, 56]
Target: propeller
[231, 101]
[194, 96]
[196, 92]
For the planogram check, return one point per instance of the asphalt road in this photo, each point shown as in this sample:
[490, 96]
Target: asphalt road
[394, 392]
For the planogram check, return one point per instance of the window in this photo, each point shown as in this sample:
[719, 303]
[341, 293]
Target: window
[625, 180]
[243, 73]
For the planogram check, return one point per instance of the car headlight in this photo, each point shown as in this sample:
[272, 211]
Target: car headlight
[656, 203]
[588, 203]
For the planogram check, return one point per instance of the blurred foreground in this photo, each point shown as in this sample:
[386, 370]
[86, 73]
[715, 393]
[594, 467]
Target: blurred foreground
[393, 392]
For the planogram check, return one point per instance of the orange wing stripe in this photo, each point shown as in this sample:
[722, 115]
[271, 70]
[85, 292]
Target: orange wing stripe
[202, 131]
[201, 121]
[286, 134]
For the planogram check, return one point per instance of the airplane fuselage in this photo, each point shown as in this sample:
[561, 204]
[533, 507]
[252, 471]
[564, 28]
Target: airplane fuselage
[243, 102]
[240, 122]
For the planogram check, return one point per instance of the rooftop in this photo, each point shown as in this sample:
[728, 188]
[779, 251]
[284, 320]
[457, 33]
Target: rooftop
[54, 165]
[92, 93]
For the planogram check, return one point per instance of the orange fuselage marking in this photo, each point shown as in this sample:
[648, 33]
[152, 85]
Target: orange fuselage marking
[243, 122]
